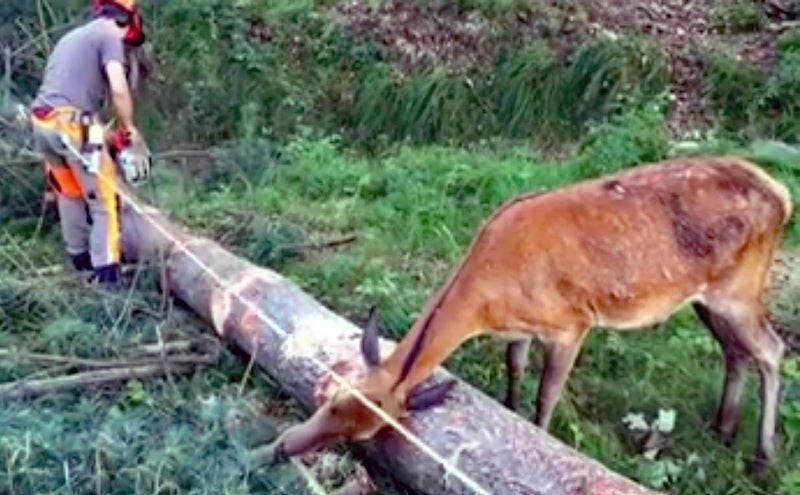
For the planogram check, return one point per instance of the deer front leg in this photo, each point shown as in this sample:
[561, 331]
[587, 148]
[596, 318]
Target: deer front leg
[727, 419]
[516, 362]
[560, 356]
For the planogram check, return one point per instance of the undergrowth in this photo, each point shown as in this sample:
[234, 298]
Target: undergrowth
[529, 94]
[750, 103]
[291, 66]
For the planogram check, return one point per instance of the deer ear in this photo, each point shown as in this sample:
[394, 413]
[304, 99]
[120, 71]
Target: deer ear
[369, 340]
[425, 398]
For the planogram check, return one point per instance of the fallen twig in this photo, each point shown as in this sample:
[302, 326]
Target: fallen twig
[46, 271]
[52, 358]
[43, 26]
[183, 154]
[321, 245]
[209, 357]
[31, 388]
[7, 65]
[783, 26]
[168, 348]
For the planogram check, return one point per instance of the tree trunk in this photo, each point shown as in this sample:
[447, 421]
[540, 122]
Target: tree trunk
[296, 340]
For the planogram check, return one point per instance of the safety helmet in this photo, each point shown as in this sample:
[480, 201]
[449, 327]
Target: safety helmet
[135, 34]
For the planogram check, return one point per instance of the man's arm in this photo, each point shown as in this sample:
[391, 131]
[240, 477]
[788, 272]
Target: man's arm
[121, 94]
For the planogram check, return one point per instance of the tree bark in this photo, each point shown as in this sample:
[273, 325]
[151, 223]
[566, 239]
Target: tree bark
[297, 340]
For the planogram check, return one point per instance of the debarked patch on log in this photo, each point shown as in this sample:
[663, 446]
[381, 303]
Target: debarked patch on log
[238, 305]
[317, 336]
[334, 345]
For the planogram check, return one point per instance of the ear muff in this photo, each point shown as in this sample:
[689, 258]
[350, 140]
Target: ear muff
[135, 34]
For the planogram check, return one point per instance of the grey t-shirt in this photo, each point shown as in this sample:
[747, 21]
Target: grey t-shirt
[75, 72]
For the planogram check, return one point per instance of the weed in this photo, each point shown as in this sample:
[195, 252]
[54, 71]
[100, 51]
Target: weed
[732, 86]
[739, 17]
[789, 42]
[780, 104]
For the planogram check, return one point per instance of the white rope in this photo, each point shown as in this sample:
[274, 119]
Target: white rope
[447, 464]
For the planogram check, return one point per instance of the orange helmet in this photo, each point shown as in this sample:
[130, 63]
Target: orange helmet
[135, 35]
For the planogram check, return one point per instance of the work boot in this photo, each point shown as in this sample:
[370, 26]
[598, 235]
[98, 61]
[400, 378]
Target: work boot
[82, 262]
[106, 276]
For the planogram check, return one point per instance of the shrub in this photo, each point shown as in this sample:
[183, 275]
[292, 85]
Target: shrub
[745, 16]
[732, 85]
[635, 137]
[779, 106]
[789, 42]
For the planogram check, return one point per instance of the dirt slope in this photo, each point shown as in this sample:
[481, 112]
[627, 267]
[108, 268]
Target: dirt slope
[419, 33]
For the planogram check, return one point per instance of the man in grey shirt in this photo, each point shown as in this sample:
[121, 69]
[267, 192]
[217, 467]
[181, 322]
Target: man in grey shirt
[85, 64]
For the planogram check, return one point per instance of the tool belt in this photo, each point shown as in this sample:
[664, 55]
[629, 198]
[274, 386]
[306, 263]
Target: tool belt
[50, 117]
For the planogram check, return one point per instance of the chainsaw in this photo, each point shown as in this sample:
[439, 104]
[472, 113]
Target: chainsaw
[132, 155]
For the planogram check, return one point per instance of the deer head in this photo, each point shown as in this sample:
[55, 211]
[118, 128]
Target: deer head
[347, 417]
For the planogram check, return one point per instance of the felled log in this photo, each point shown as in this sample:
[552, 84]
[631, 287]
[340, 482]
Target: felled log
[486, 448]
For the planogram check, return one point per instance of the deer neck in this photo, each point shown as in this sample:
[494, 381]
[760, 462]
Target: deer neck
[432, 339]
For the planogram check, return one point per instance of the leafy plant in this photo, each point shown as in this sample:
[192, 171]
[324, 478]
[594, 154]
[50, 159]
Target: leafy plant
[635, 137]
[741, 16]
[789, 42]
[733, 85]
[780, 102]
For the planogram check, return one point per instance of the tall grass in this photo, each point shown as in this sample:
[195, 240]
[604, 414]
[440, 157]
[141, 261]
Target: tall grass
[527, 94]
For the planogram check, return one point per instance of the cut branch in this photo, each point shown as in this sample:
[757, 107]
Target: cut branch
[209, 358]
[183, 154]
[32, 388]
[313, 246]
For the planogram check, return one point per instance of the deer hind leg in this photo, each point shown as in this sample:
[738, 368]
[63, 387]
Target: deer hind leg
[560, 356]
[767, 349]
[744, 327]
[516, 362]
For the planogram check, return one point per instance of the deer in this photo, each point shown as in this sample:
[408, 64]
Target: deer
[622, 251]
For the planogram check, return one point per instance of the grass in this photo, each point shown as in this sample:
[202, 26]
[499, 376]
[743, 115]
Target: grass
[739, 17]
[526, 94]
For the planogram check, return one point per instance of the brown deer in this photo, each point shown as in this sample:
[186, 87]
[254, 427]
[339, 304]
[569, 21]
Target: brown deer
[623, 252]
